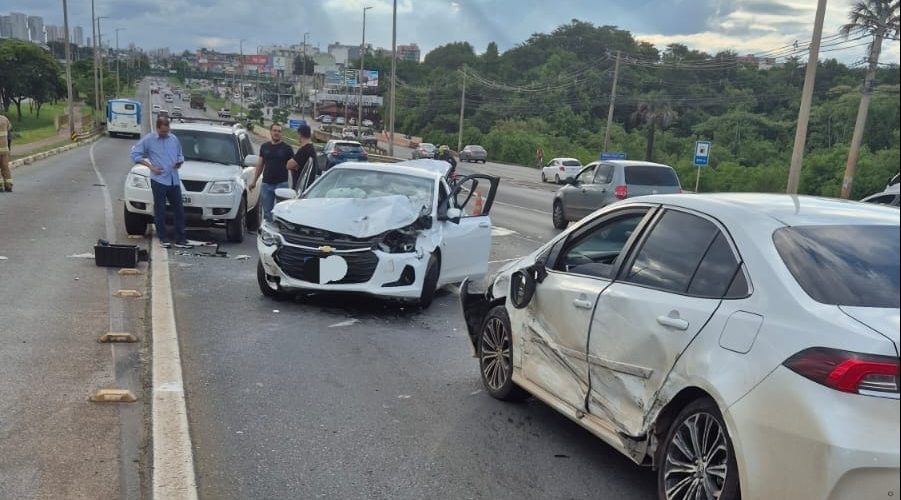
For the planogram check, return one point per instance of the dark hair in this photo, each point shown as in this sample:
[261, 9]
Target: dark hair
[305, 131]
[274, 124]
[162, 120]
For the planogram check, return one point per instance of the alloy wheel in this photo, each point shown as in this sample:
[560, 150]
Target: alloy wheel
[697, 460]
[496, 354]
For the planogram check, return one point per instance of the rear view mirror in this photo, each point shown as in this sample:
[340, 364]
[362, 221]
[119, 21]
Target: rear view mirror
[251, 160]
[285, 194]
[453, 215]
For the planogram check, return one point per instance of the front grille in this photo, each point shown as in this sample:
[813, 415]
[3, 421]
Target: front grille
[315, 238]
[194, 186]
[304, 265]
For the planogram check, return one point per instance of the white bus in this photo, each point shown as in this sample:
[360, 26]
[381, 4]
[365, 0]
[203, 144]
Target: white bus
[123, 116]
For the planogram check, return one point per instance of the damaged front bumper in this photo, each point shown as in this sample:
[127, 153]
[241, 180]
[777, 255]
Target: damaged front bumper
[475, 305]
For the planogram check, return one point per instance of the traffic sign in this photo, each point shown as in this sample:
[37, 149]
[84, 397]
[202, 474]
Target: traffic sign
[612, 156]
[702, 153]
[295, 124]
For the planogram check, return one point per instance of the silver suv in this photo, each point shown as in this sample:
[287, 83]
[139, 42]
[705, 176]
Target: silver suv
[604, 182]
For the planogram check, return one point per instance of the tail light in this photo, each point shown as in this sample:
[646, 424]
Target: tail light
[335, 153]
[562, 168]
[621, 192]
[364, 156]
[845, 371]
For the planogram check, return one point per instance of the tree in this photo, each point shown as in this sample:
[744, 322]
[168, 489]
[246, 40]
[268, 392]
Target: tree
[28, 72]
[879, 19]
[653, 114]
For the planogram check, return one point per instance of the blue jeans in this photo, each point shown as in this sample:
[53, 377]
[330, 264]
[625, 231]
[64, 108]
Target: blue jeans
[267, 198]
[161, 194]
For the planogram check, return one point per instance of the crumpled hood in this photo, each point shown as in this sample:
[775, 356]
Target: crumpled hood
[357, 217]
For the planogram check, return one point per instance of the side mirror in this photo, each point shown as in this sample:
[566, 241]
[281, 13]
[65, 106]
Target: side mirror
[572, 181]
[522, 288]
[452, 215]
[285, 194]
[251, 160]
[424, 221]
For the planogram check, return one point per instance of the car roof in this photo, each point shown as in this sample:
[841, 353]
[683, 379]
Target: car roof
[429, 169]
[633, 163]
[789, 210]
[206, 127]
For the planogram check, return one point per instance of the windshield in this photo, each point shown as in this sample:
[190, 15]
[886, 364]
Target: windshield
[353, 183]
[208, 146]
[347, 147]
[844, 265]
[572, 163]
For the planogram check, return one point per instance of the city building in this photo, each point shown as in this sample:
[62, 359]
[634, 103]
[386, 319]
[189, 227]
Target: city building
[36, 29]
[408, 52]
[761, 62]
[18, 25]
[54, 33]
[6, 27]
[78, 36]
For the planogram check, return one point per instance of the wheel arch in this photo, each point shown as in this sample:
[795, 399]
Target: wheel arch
[667, 414]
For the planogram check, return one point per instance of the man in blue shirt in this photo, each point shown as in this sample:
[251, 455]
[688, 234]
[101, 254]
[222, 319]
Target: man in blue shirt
[161, 152]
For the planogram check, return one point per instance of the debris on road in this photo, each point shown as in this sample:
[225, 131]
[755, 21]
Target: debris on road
[349, 322]
[85, 255]
[242, 257]
[2, 257]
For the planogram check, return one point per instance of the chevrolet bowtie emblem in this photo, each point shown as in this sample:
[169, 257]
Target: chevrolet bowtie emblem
[326, 249]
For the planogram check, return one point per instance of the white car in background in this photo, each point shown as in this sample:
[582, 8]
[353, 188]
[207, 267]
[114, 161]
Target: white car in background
[393, 230]
[742, 344]
[218, 169]
[560, 169]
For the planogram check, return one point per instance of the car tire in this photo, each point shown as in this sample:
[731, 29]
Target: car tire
[559, 216]
[543, 177]
[689, 456]
[430, 282]
[135, 224]
[556, 178]
[255, 218]
[265, 288]
[496, 357]
[235, 228]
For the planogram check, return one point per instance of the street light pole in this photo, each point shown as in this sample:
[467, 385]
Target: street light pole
[794, 173]
[94, 53]
[303, 78]
[241, 90]
[393, 79]
[117, 60]
[100, 55]
[68, 68]
[360, 78]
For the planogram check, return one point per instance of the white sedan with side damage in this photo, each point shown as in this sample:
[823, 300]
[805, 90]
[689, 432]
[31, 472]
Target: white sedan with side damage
[390, 230]
[744, 345]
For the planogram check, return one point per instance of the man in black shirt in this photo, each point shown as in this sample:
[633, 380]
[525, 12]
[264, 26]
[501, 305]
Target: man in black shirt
[304, 162]
[274, 157]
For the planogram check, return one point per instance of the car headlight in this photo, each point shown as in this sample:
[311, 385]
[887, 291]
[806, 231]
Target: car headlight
[269, 235]
[222, 187]
[138, 181]
[399, 241]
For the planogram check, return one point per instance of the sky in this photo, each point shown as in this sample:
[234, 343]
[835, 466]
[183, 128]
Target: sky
[747, 26]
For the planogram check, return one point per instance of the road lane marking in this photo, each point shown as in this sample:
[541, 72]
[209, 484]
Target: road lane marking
[522, 208]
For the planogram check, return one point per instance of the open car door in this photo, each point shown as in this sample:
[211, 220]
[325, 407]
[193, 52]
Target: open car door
[466, 228]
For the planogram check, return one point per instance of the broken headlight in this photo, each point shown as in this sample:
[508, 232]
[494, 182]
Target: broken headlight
[269, 235]
[399, 241]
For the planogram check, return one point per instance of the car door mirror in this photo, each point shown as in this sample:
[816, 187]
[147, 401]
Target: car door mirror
[452, 215]
[285, 194]
[251, 160]
[522, 288]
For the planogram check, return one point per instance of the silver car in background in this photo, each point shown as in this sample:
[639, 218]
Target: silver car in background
[473, 153]
[602, 183]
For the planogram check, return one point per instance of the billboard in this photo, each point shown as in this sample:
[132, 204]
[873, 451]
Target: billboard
[370, 78]
[279, 63]
[257, 59]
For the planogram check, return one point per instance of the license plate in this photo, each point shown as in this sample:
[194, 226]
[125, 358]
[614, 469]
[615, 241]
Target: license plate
[186, 200]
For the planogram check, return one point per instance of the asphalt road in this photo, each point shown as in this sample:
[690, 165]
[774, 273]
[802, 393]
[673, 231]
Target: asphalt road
[54, 304]
[350, 397]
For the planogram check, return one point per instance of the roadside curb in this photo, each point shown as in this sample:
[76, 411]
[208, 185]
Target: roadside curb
[53, 152]
[173, 457]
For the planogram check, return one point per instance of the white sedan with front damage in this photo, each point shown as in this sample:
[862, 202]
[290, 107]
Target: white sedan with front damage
[390, 230]
[745, 346]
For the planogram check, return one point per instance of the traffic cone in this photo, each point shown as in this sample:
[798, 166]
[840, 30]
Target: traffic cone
[477, 209]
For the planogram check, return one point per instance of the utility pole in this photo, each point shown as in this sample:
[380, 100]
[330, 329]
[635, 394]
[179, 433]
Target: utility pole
[68, 67]
[117, 60]
[462, 108]
[612, 101]
[100, 55]
[241, 91]
[94, 53]
[794, 173]
[303, 79]
[393, 80]
[360, 78]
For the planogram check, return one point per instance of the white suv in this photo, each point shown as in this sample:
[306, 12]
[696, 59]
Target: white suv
[219, 167]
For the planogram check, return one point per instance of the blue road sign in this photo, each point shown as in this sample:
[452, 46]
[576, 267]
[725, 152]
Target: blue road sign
[702, 153]
[295, 124]
[613, 156]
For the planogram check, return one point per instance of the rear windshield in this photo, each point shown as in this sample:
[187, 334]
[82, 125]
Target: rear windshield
[571, 163]
[647, 175]
[348, 148]
[844, 265]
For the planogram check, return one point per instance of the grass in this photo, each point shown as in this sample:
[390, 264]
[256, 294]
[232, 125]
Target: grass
[33, 128]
